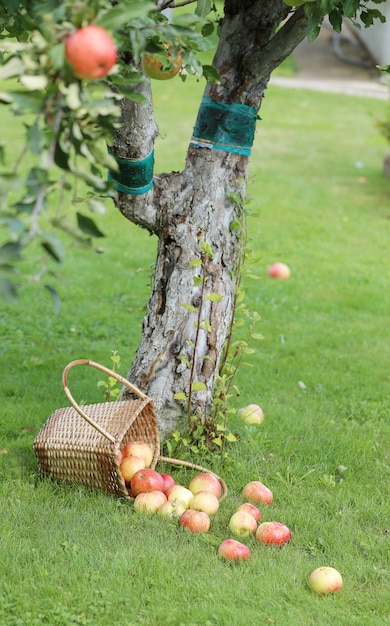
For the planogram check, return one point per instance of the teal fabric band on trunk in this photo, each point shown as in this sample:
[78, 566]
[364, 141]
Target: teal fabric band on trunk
[135, 176]
[228, 127]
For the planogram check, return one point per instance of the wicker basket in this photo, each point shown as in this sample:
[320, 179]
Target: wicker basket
[81, 444]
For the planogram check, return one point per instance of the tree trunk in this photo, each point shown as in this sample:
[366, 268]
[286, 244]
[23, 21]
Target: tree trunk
[191, 306]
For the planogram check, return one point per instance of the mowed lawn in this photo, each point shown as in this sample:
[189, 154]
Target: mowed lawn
[318, 201]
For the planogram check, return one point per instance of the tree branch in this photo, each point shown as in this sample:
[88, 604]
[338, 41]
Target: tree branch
[264, 60]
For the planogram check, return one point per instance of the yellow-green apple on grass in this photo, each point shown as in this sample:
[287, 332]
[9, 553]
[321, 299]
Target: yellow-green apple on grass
[140, 449]
[195, 521]
[257, 492]
[179, 492]
[171, 508]
[91, 52]
[146, 480]
[204, 501]
[251, 414]
[242, 524]
[129, 466]
[325, 580]
[150, 501]
[251, 509]
[233, 550]
[279, 270]
[206, 482]
[273, 533]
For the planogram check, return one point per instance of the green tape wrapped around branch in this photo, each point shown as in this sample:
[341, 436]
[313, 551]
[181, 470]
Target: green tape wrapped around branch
[227, 127]
[135, 176]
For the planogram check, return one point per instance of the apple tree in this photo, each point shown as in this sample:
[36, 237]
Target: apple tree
[197, 215]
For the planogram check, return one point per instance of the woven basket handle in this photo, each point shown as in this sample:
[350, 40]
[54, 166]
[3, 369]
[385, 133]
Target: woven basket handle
[107, 371]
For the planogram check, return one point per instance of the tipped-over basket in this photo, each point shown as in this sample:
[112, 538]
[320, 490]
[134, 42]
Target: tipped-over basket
[81, 444]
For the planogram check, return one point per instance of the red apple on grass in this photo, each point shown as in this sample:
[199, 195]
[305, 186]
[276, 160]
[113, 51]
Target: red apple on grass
[204, 501]
[273, 533]
[179, 492]
[251, 509]
[257, 492]
[233, 550]
[140, 449]
[129, 466]
[279, 270]
[195, 521]
[91, 52]
[251, 414]
[150, 501]
[242, 524]
[325, 580]
[206, 482]
[146, 480]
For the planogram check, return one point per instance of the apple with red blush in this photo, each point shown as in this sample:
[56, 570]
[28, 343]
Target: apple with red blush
[146, 480]
[195, 521]
[91, 52]
[256, 492]
[206, 482]
[273, 533]
[233, 550]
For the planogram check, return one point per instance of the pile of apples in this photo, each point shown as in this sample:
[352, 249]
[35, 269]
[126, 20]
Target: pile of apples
[192, 506]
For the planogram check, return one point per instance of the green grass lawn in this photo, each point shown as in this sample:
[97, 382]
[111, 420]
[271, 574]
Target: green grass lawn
[321, 204]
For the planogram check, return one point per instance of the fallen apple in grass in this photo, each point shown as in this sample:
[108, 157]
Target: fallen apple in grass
[251, 509]
[206, 482]
[242, 524]
[171, 508]
[279, 270]
[179, 492]
[251, 414]
[146, 480]
[195, 521]
[91, 52]
[233, 550]
[273, 533]
[257, 492]
[129, 466]
[325, 580]
[204, 501]
[140, 449]
[150, 501]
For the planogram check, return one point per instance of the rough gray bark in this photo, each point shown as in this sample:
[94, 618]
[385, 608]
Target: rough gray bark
[195, 206]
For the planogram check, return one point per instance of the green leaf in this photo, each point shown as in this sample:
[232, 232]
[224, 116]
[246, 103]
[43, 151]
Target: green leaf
[8, 290]
[180, 396]
[235, 225]
[88, 226]
[198, 386]
[34, 82]
[207, 249]
[55, 298]
[213, 297]
[14, 67]
[231, 438]
[195, 263]
[124, 13]
[197, 280]
[203, 7]
[189, 307]
[54, 247]
[10, 252]
[211, 74]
